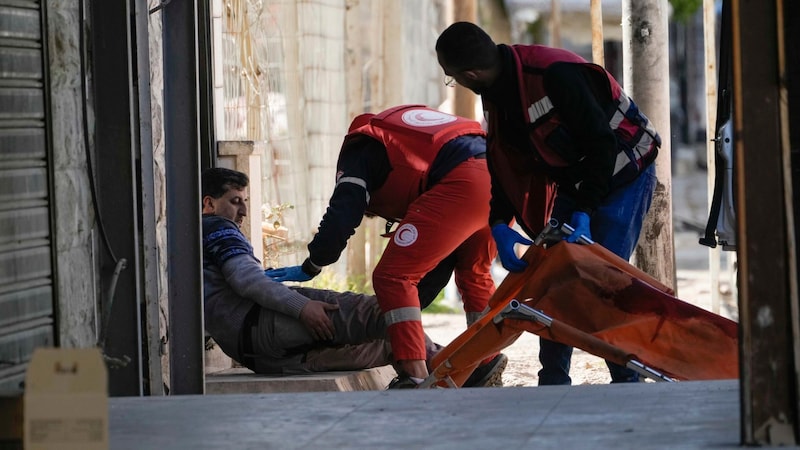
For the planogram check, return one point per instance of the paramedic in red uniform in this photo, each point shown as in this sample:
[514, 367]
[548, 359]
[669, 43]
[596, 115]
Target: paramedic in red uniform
[426, 171]
[556, 121]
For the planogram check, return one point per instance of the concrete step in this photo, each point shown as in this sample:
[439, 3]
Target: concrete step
[243, 381]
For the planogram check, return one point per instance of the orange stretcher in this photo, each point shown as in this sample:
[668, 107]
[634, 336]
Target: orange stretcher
[589, 298]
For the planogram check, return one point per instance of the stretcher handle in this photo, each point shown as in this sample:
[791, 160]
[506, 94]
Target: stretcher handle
[553, 232]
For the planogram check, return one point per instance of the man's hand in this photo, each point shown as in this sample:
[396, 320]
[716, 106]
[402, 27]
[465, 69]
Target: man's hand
[315, 317]
[293, 273]
[580, 222]
[506, 238]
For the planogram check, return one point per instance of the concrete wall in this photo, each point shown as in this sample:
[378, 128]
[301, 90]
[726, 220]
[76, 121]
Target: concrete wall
[74, 215]
[159, 172]
[321, 55]
[422, 21]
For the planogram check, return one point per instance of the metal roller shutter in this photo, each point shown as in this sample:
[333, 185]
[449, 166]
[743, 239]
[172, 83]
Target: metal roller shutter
[26, 254]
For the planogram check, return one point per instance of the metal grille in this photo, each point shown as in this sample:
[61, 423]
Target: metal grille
[26, 294]
[252, 59]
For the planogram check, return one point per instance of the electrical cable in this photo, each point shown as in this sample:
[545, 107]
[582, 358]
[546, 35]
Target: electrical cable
[119, 264]
[86, 145]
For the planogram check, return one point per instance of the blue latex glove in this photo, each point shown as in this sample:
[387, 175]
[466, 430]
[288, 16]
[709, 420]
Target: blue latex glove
[506, 238]
[293, 273]
[580, 222]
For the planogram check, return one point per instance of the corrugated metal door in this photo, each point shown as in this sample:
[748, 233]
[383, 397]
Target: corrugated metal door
[26, 253]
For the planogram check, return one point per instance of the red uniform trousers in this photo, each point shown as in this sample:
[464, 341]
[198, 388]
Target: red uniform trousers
[450, 218]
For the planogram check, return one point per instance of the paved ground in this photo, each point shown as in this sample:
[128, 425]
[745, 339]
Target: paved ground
[689, 415]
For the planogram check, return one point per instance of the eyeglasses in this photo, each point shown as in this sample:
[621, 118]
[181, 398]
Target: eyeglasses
[449, 81]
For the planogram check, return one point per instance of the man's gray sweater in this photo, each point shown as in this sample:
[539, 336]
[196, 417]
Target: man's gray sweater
[234, 282]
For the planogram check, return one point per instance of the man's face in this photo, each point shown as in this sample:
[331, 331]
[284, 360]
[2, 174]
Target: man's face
[474, 80]
[232, 205]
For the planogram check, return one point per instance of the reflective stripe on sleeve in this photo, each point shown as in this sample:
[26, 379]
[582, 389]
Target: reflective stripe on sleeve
[473, 317]
[407, 314]
[540, 108]
[357, 181]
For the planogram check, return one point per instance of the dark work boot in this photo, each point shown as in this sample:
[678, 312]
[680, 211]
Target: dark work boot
[489, 374]
[402, 381]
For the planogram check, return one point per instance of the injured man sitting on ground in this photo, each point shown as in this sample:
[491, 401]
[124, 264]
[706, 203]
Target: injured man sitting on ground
[275, 329]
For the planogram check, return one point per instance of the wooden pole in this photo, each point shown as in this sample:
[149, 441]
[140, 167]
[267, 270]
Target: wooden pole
[596, 12]
[464, 101]
[354, 67]
[388, 92]
[555, 23]
[709, 31]
[765, 238]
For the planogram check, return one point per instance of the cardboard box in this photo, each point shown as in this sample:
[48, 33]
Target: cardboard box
[66, 400]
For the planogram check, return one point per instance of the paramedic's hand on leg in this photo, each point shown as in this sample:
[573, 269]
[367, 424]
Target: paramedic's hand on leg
[580, 222]
[293, 273]
[506, 238]
[314, 316]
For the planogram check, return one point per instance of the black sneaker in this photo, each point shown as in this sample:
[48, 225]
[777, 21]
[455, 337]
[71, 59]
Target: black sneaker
[489, 374]
[402, 382]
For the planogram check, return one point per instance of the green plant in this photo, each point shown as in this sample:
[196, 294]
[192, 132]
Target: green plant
[682, 10]
[360, 283]
[274, 235]
[331, 281]
[274, 214]
[328, 280]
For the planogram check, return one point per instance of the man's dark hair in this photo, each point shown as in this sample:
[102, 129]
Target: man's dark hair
[465, 46]
[217, 180]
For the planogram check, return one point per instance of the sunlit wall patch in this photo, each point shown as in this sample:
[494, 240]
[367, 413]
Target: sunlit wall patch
[406, 235]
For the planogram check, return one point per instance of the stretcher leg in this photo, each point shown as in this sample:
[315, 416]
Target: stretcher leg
[501, 328]
[568, 335]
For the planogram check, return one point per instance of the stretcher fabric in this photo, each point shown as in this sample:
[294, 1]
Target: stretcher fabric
[605, 306]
